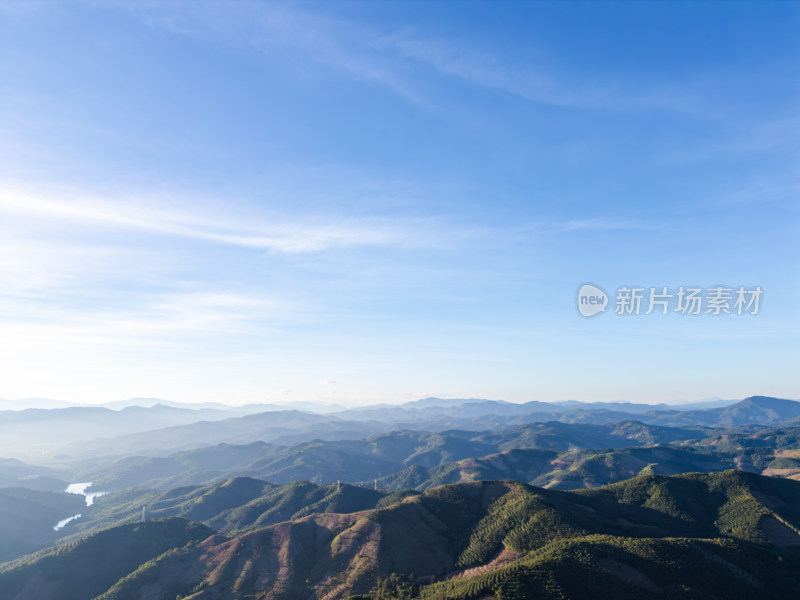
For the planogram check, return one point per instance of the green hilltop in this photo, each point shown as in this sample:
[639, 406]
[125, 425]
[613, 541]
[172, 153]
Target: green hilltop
[727, 535]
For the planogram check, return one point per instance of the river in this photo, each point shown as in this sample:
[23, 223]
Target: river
[78, 488]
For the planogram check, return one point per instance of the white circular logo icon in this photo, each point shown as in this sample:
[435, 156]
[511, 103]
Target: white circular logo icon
[591, 300]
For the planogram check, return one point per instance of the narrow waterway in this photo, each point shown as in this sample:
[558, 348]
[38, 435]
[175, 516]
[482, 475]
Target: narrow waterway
[63, 522]
[78, 488]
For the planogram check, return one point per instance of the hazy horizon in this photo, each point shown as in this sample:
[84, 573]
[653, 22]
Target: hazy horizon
[24, 403]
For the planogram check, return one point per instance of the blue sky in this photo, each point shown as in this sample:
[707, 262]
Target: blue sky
[367, 202]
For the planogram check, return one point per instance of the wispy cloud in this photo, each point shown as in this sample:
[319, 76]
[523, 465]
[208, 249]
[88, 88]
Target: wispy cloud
[483, 69]
[74, 270]
[286, 235]
[158, 320]
[266, 26]
[538, 82]
[392, 58]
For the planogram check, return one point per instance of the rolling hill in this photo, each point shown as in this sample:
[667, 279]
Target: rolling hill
[236, 488]
[83, 570]
[27, 518]
[235, 505]
[378, 456]
[724, 535]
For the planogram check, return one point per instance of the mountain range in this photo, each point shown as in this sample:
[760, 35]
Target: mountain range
[517, 501]
[37, 435]
[647, 537]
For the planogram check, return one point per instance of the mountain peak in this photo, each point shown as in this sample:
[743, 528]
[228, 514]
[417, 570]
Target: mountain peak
[768, 401]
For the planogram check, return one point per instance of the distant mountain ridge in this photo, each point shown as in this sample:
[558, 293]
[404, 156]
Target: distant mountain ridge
[328, 408]
[273, 427]
[372, 457]
[755, 410]
[36, 434]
